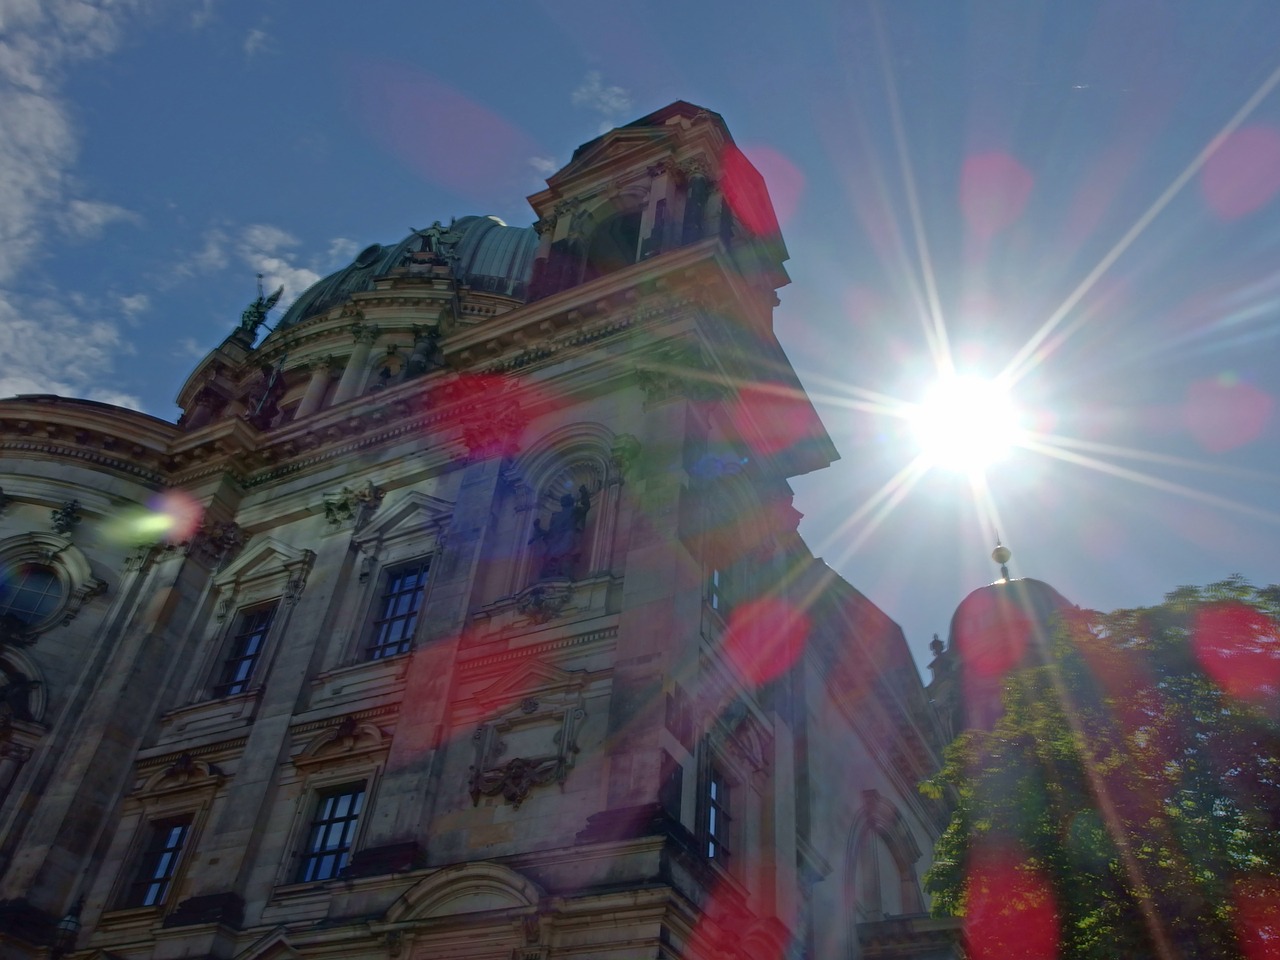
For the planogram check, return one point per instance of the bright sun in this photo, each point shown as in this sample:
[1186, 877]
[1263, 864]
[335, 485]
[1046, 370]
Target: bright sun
[965, 424]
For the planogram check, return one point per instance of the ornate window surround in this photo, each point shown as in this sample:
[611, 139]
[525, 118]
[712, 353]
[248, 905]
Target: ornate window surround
[66, 561]
[270, 570]
[413, 528]
[185, 786]
[342, 752]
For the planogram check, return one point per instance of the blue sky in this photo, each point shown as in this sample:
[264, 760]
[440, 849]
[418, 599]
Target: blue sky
[158, 153]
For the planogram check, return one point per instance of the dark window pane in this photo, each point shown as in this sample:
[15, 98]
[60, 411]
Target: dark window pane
[397, 609]
[252, 628]
[29, 593]
[158, 863]
[328, 846]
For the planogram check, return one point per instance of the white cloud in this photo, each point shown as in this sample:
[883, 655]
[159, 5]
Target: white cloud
[133, 305]
[341, 250]
[544, 166]
[87, 218]
[189, 348]
[266, 249]
[49, 349]
[48, 344]
[612, 102]
[255, 41]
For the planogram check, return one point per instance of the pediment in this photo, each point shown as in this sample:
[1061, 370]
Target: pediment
[467, 888]
[608, 150]
[268, 557]
[529, 676]
[274, 946]
[414, 515]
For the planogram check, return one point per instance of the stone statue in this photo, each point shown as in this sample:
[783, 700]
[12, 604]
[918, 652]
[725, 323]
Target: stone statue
[561, 539]
[255, 314]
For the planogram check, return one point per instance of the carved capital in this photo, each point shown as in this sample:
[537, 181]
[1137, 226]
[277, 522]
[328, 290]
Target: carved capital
[546, 226]
[365, 332]
[352, 506]
[5, 500]
[216, 541]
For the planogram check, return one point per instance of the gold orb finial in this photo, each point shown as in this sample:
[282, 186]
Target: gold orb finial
[1001, 555]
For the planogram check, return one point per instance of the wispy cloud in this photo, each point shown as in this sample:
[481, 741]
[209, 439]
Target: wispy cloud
[612, 103]
[134, 305]
[341, 250]
[86, 219]
[544, 166]
[267, 249]
[54, 345]
[255, 41]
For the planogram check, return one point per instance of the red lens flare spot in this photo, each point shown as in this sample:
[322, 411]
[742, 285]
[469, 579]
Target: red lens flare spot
[1224, 413]
[1258, 918]
[992, 633]
[746, 194]
[775, 417]
[1243, 175]
[440, 133]
[180, 512]
[994, 189]
[1010, 911]
[765, 638]
[1239, 647]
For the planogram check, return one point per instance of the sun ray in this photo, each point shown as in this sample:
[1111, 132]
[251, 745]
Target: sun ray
[1036, 349]
[1132, 453]
[1145, 479]
[934, 326]
[985, 503]
[879, 506]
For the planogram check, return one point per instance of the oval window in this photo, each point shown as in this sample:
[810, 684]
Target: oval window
[29, 593]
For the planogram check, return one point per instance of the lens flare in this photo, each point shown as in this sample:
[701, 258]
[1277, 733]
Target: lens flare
[965, 424]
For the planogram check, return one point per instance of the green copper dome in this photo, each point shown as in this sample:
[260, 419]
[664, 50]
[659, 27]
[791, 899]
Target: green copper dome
[484, 253]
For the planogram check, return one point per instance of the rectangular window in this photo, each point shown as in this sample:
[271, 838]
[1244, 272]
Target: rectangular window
[717, 591]
[159, 862]
[396, 613]
[246, 646]
[328, 844]
[717, 816]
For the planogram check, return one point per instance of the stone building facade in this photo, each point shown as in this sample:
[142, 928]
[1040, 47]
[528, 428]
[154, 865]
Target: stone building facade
[464, 615]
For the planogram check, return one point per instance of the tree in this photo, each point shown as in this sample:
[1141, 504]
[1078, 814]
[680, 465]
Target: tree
[1127, 802]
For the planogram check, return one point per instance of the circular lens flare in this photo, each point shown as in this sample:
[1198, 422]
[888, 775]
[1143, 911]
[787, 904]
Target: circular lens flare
[965, 424]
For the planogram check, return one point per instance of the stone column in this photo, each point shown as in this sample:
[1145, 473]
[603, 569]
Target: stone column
[321, 374]
[365, 334]
[12, 757]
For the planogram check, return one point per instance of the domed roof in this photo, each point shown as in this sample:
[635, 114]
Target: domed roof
[484, 253]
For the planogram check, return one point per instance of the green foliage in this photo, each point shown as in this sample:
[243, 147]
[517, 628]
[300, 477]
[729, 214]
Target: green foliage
[1137, 772]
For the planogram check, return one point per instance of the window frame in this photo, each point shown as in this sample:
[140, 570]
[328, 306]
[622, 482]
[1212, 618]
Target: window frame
[264, 634]
[143, 877]
[67, 563]
[305, 853]
[372, 649]
[717, 818]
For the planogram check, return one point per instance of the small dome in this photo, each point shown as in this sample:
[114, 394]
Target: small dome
[484, 252]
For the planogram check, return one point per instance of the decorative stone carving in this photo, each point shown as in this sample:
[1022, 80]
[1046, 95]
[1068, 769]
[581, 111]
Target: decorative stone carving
[216, 541]
[91, 588]
[352, 506]
[490, 433]
[65, 517]
[551, 724]
[364, 332]
[561, 540]
[624, 453]
[678, 370]
[5, 500]
[545, 600]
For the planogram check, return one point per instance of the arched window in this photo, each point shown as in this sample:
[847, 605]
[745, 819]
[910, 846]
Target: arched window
[881, 875]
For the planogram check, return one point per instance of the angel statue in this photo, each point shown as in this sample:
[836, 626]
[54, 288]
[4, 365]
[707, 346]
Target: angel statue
[255, 314]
